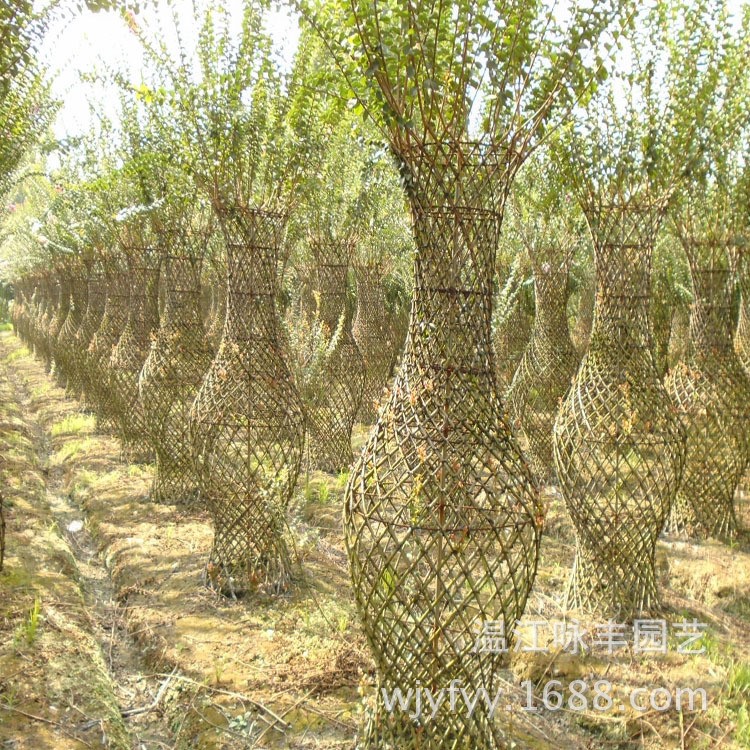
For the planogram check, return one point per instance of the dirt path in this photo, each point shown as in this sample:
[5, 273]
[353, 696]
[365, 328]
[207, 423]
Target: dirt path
[134, 691]
[125, 686]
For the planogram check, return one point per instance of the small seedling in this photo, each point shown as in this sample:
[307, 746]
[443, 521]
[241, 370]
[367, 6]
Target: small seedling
[28, 630]
[323, 493]
[738, 680]
[219, 665]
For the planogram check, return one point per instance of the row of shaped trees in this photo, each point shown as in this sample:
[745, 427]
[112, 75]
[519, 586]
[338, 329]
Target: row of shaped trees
[621, 122]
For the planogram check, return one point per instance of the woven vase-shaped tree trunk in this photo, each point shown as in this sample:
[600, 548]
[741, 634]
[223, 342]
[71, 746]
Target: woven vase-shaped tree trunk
[171, 376]
[130, 352]
[712, 393]
[37, 311]
[618, 442]
[96, 297]
[32, 310]
[510, 341]
[373, 332]
[742, 343]
[548, 364]
[214, 277]
[44, 317]
[334, 393]
[442, 518]
[679, 336]
[20, 309]
[103, 342]
[742, 335]
[247, 422]
[217, 314]
[399, 322]
[66, 353]
[64, 286]
[29, 311]
[584, 317]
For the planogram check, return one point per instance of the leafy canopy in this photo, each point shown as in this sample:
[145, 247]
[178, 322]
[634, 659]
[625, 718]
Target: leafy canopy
[472, 70]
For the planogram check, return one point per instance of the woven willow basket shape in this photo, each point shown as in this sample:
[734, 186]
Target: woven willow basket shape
[742, 335]
[64, 285]
[172, 374]
[247, 422]
[217, 313]
[2, 532]
[96, 296]
[679, 336]
[45, 312]
[374, 334]
[548, 364]
[35, 313]
[21, 307]
[65, 353]
[619, 446]
[130, 352]
[584, 316]
[742, 338]
[27, 312]
[712, 393]
[103, 342]
[215, 276]
[333, 398]
[31, 312]
[510, 341]
[442, 516]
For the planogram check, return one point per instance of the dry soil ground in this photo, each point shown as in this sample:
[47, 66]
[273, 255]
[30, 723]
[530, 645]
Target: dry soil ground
[108, 637]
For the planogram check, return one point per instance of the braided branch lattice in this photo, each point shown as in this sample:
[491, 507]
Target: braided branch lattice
[37, 311]
[374, 334]
[2, 533]
[679, 336]
[103, 342]
[66, 341]
[548, 364]
[619, 446]
[334, 392]
[217, 313]
[247, 422]
[96, 297]
[442, 515]
[130, 352]
[712, 393]
[44, 315]
[34, 310]
[584, 317]
[20, 310]
[172, 374]
[742, 335]
[510, 341]
[64, 285]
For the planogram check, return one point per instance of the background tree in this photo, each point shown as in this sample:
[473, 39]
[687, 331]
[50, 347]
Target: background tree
[25, 105]
[619, 447]
[331, 376]
[227, 100]
[544, 219]
[710, 218]
[382, 263]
